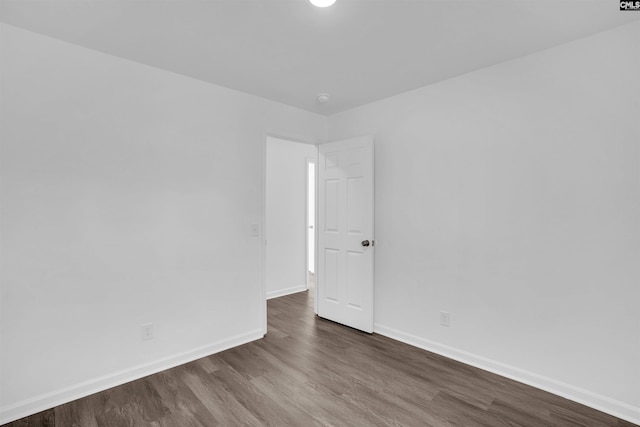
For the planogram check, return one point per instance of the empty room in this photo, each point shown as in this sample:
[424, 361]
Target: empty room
[319, 213]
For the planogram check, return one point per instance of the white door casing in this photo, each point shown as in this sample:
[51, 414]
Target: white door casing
[311, 214]
[345, 226]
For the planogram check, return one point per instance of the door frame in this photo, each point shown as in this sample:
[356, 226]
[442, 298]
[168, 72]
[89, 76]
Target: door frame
[270, 133]
[314, 162]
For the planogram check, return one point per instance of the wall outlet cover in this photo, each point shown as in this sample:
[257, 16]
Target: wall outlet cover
[444, 318]
[147, 331]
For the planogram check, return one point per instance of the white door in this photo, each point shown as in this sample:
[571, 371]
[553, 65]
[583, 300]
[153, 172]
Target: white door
[345, 232]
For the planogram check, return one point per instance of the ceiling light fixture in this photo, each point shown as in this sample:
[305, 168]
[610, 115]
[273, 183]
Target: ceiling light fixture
[322, 98]
[322, 3]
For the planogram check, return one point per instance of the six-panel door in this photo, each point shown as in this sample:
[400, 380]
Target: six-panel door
[345, 226]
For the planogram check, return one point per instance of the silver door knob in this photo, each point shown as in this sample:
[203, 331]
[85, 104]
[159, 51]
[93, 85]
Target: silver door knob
[365, 243]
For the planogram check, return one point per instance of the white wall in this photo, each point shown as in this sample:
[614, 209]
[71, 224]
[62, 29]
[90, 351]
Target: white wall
[510, 198]
[127, 197]
[507, 196]
[285, 216]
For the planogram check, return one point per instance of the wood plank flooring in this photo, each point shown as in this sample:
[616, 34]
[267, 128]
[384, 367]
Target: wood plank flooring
[312, 372]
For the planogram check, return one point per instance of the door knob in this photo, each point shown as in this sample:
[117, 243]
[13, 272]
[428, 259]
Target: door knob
[365, 243]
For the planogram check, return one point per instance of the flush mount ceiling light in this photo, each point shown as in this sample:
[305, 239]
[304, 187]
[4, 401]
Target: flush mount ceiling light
[322, 3]
[322, 98]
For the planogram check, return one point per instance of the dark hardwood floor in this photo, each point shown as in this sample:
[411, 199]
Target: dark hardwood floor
[308, 372]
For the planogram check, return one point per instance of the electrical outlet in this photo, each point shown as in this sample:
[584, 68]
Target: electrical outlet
[147, 331]
[444, 318]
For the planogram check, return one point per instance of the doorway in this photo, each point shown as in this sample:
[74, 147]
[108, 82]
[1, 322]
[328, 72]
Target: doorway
[311, 222]
[289, 220]
[338, 242]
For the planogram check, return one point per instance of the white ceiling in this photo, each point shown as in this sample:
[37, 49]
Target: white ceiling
[289, 51]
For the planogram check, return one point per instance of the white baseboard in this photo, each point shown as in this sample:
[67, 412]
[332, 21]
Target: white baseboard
[596, 401]
[58, 397]
[48, 400]
[286, 291]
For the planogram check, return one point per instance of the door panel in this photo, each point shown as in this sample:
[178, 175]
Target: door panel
[345, 266]
[355, 277]
[331, 203]
[331, 275]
